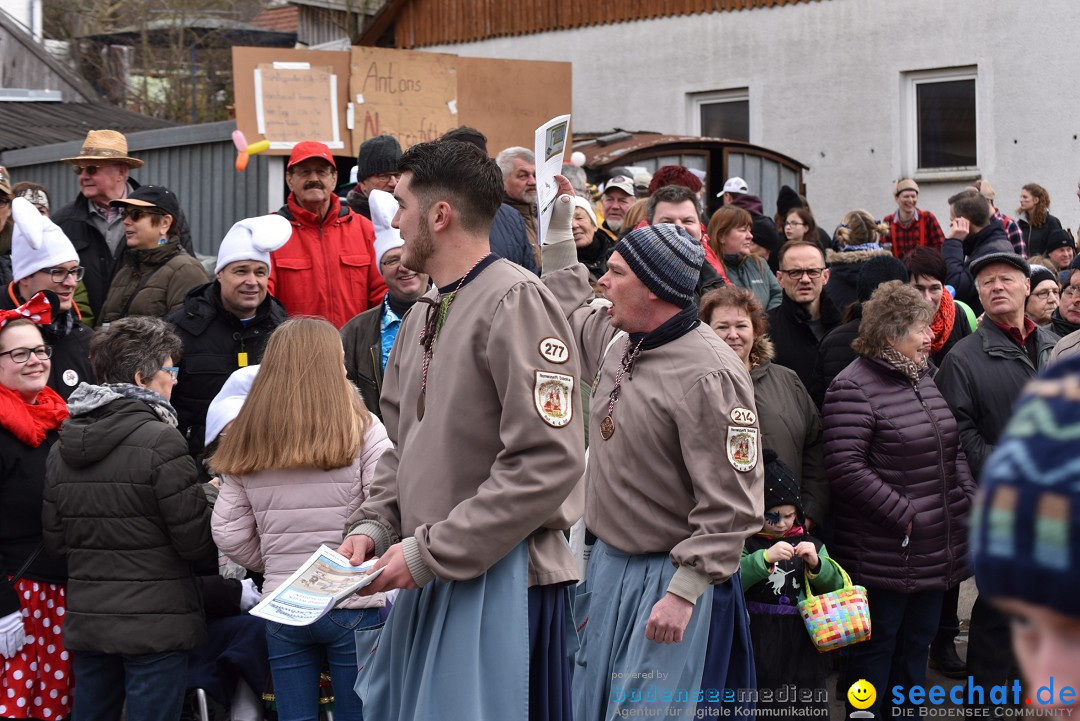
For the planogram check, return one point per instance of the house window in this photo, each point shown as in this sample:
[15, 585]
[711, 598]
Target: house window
[943, 127]
[721, 114]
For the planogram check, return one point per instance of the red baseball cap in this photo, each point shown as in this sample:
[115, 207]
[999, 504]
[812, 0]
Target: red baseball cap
[310, 149]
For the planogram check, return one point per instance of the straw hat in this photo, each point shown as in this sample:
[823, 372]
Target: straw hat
[105, 145]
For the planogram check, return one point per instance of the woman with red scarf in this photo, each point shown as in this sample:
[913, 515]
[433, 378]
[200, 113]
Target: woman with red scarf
[35, 676]
[926, 268]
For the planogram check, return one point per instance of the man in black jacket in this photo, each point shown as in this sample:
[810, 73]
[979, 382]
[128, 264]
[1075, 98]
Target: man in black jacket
[981, 378]
[973, 233]
[224, 325]
[95, 228]
[43, 258]
[805, 314]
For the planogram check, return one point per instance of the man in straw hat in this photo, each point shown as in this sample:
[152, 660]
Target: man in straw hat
[95, 227]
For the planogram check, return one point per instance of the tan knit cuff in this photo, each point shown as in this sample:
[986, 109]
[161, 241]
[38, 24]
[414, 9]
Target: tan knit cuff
[375, 531]
[557, 256]
[418, 569]
[688, 584]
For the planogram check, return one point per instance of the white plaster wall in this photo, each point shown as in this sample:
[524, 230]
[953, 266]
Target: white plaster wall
[825, 83]
[27, 12]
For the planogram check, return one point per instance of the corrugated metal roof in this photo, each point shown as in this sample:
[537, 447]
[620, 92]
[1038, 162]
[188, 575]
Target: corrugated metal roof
[29, 124]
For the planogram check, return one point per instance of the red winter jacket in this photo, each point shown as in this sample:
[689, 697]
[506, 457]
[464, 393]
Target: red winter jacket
[327, 269]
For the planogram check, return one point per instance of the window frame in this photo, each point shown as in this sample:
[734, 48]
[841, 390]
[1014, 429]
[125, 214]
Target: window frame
[695, 101]
[910, 118]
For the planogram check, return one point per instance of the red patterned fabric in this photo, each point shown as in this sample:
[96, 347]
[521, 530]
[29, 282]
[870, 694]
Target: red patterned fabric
[37, 683]
[37, 309]
[924, 230]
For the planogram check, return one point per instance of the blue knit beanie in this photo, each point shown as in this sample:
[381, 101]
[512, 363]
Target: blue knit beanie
[666, 259]
[1026, 522]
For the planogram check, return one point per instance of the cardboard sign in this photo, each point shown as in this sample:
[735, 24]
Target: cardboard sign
[409, 95]
[286, 96]
[295, 102]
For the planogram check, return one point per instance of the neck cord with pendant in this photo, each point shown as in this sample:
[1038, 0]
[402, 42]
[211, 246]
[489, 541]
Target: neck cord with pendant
[430, 332]
[607, 426]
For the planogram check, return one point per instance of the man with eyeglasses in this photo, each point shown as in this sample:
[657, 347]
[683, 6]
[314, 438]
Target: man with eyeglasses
[368, 337]
[805, 314]
[1069, 345]
[95, 228]
[43, 258]
[376, 169]
[327, 268]
[981, 378]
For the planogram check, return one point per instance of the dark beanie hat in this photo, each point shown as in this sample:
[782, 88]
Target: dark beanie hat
[1039, 273]
[380, 154]
[1025, 532]
[1059, 238]
[666, 259]
[781, 488]
[875, 271]
[674, 175]
[787, 201]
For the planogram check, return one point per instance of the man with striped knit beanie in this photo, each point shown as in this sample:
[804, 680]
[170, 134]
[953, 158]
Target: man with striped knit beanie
[1026, 534]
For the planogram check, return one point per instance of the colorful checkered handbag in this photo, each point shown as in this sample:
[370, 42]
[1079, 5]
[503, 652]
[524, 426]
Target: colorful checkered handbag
[838, 618]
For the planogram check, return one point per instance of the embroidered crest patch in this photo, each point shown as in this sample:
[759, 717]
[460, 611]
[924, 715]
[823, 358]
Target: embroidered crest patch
[554, 350]
[743, 416]
[742, 447]
[553, 397]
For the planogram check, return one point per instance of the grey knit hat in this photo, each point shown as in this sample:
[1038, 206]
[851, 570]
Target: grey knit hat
[666, 259]
[380, 154]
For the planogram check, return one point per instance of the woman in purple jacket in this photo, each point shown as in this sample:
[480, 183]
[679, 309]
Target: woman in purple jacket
[901, 489]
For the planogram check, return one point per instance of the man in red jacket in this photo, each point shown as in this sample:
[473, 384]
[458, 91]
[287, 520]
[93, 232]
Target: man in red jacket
[328, 266]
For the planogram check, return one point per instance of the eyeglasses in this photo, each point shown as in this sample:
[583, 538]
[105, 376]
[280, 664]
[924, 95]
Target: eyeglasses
[88, 169]
[323, 171]
[1069, 292]
[793, 223]
[387, 177]
[5, 202]
[59, 275]
[796, 273]
[390, 262]
[1044, 294]
[136, 214]
[21, 355]
[173, 371]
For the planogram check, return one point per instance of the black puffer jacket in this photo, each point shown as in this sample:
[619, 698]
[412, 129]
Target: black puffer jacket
[213, 340]
[122, 505]
[982, 377]
[70, 340]
[844, 269]
[894, 457]
[834, 355]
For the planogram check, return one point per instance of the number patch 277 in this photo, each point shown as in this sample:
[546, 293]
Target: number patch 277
[554, 350]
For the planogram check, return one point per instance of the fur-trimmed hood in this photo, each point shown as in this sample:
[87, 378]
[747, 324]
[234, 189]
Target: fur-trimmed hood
[834, 257]
[762, 351]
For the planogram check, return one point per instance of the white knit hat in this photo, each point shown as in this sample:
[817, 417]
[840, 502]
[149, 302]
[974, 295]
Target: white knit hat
[230, 399]
[585, 205]
[253, 239]
[37, 243]
[383, 209]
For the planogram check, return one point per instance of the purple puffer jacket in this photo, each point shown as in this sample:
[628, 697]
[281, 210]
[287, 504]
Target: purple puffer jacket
[893, 455]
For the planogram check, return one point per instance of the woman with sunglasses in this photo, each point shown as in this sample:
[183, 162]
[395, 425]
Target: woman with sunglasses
[35, 672]
[157, 271]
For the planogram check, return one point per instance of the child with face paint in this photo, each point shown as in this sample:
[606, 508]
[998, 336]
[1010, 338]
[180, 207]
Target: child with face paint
[777, 563]
[1025, 535]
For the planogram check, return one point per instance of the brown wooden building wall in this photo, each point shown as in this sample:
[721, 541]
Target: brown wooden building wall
[421, 23]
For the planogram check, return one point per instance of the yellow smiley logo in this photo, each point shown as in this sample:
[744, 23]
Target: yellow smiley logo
[862, 694]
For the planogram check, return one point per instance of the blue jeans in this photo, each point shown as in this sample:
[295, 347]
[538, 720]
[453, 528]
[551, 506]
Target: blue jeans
[152, 685]
[296, 657]
[902, 625]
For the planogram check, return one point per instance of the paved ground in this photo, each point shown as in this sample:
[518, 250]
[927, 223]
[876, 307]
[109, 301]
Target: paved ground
[933, 678]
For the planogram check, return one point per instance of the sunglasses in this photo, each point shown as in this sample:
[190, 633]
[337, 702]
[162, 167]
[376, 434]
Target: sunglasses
[88, 169]
[136, 214]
